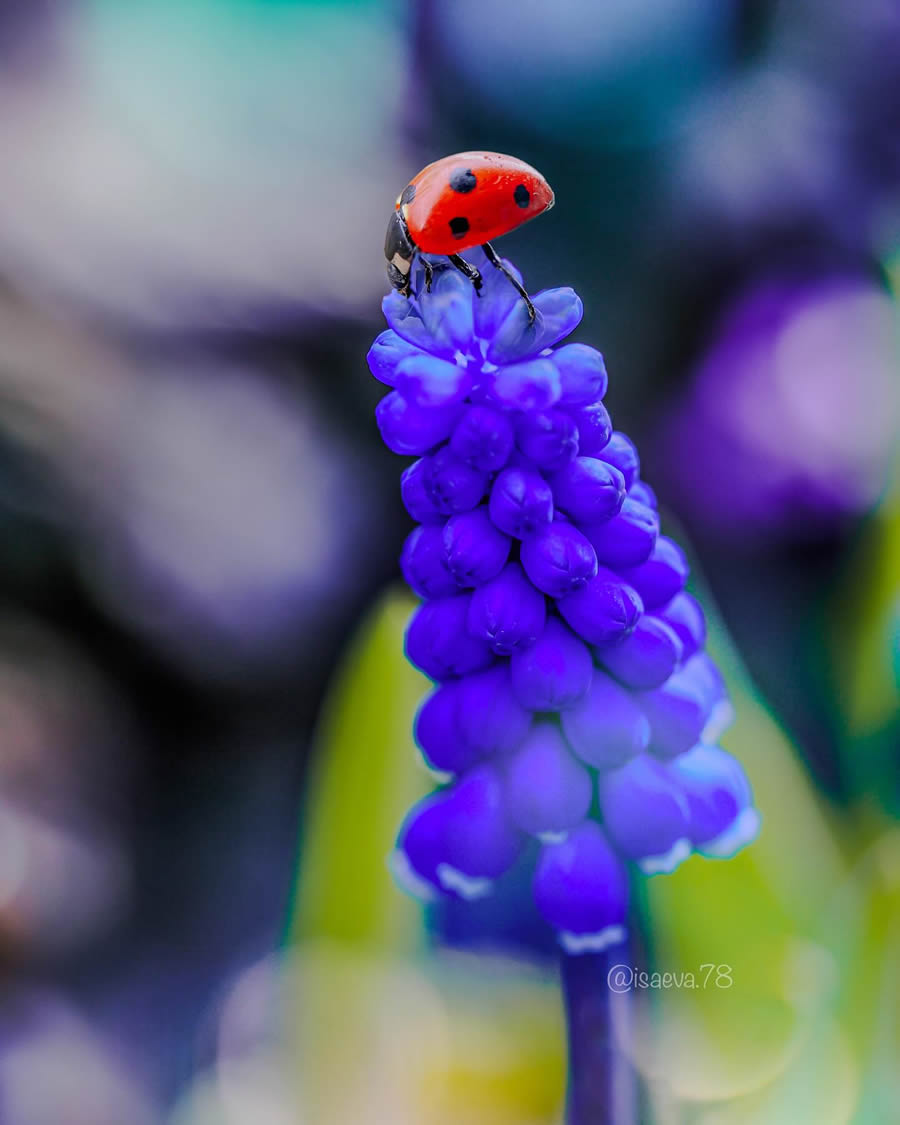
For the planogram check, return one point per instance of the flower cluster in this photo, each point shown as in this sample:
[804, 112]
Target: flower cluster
[573, 701]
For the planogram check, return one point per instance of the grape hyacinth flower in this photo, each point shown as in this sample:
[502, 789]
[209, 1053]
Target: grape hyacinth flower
[573, 700]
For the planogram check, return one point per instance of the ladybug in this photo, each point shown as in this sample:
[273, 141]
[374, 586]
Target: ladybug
[459, 202]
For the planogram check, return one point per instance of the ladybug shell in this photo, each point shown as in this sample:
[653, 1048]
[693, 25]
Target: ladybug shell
[470, 198]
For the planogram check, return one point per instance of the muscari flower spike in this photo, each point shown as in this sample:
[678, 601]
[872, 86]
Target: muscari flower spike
[573, 700]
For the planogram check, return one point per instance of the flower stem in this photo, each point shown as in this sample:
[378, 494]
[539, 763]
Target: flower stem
[602, 1088]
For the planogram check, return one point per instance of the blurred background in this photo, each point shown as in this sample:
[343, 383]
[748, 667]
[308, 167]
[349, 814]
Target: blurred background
[204, 708]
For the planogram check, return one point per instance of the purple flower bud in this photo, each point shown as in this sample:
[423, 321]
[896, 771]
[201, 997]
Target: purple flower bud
[606, 727]
[483, 438]
[451, 484]
[720, 802]
[386, 353]
[415, 495]
[594, 428]
[678, 712]
[447, 314]
[480, 843]
[411, 429]
[533, 385]
[621, 452]
[644, 494]
[604, 609]
[423, 564]
[521, 502]
[559, 312]
[420, 847]
[438, 642]
[507, 612]
[706, 679]
[644, 659]
[474, 549]
[582, 374]
[589, 490]
[549, 439]
[498, 298]
[558, 559]
[662, 576]
[645, 814]
[684, 614]
[438, 732]
[403, 317]
[581, 889]
[628, 538]
[429, 381]
[490, 718]
[554, 672]
[547, 790]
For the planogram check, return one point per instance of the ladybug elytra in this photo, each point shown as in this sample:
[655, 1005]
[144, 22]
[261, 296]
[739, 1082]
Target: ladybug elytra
[459, 202]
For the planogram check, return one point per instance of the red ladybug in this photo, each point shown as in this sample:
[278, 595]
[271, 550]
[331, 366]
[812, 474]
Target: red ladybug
[459, 202]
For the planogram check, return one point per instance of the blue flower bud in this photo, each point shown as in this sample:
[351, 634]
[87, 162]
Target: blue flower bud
[403, 317]
[498, 298]
[628, 538]
[581, 889]
[428, 381]
[483, 438]
[594, 428]
[490, 717]
[549, 438]
[706, 679]
[558, 559]
[604, 609]
[582, 374]
[438, 642]
[410, 429]
[423, 563]
[415, 495]
[386, 353]
[474, 549]
[532, 385]
[521, 502]
[451, 484]
[480, 842]
[645, 814]
[559, 312]
[644, 494]
[722, 819]
[684, 614]
[588, 490]
[554, 672]
[447, 314]
[420, 847]
[621, 452]
[662, 576]
[438, 733]
[678, 711]
[644, 659]
[507, 612]
[547, 790]
[606, 727]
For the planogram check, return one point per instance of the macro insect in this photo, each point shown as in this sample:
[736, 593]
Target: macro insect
[459, 202]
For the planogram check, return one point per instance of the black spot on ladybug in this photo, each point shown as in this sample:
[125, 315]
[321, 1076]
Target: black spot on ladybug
[463, 180]
[522, 196]
[408, 194]
[459, 226]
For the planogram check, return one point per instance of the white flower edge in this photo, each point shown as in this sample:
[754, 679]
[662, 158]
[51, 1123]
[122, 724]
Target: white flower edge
[666, 863]
[575, 944]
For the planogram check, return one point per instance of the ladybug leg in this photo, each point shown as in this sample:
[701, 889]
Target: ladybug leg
[491, 255]
[468, 270]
